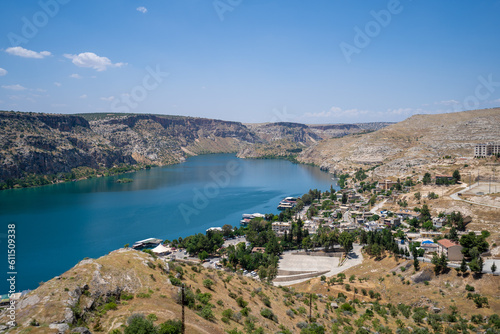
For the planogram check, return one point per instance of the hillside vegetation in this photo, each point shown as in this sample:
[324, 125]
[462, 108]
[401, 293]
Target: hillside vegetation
[103, 294]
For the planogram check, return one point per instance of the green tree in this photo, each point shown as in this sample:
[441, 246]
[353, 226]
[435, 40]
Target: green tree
[456, 175]
[443, 262]
[203, 255]
[417, 196]
[426, 179]
[313, 328]
[425, 213]
[476, 266]
[170, 327]
[138, 324]
[463, 266]
[493, 267]
[345, 198]
[227, 230]
[346, 239]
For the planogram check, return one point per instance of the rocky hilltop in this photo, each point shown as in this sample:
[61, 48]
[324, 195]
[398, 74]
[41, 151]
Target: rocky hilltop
[416, 141]
[286, 139]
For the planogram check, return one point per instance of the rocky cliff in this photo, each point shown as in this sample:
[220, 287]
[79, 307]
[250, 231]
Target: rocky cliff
[32, 143]
[416, 141]
[46, 144]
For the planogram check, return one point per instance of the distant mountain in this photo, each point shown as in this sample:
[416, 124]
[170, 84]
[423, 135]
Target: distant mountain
[418, 140]
[285, 139]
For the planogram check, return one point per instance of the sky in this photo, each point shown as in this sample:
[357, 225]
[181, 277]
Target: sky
[252, 61]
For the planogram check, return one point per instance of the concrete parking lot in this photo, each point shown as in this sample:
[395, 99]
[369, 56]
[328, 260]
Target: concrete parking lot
[302, 263]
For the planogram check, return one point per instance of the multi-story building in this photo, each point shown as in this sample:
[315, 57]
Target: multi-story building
[484, 150]
[280, 227]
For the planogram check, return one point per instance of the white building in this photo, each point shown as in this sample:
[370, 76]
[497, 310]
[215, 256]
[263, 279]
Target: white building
[279, 228]
[484, 150]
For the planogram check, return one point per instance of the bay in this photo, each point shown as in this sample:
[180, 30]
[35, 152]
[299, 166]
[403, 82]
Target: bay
[59, 225]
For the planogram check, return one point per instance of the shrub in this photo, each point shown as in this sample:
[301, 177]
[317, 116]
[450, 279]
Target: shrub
[228, 313]
[170, 327]
[143, 295]
[347, 307]
[204, 298]
[152, 317]
[208, 283]
[290, 313]
[267, 313]
[245, 311]
[207, 313]
[469, 288]
[241, 302]
[175, 281]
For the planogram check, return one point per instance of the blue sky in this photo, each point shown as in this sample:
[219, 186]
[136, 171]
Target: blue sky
[251, 60]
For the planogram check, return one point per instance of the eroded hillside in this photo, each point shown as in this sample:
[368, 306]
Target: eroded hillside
[416, 141]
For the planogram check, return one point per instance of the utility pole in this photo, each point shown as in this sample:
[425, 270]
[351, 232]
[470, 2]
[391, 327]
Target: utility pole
[310, 307]
[182, 303]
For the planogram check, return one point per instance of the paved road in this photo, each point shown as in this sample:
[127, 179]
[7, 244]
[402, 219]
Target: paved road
[456, 197]
[375, 209]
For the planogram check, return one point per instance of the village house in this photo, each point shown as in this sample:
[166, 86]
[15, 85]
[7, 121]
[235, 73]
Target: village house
[431, 234]
[279, 228]
[392, 222]
[412, 236]
[386, 184]
[407, 214]
[259, 250]
[311, 226]
[438, 222]
[452, 250]
[429, 247]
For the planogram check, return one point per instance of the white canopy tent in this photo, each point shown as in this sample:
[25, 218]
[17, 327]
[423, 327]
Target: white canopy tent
[161, 250]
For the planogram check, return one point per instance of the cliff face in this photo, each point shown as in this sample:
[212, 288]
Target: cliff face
[49, 144]
[42, 144]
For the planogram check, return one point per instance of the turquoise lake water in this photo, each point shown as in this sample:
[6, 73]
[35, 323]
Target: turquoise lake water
[59, 225]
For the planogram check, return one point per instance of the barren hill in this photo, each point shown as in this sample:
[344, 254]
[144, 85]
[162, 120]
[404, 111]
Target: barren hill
[415, 141]
[100, 295]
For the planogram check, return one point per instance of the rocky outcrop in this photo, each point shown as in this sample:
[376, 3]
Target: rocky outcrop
[32, 143]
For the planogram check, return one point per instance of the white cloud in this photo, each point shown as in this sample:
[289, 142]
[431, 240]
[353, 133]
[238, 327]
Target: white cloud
[142, 9]
[109, 99]
[75, 76]
[2, 72]
[58, 84]
[14, 87]
[90, 59]
[25, 53]
[84, 96]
